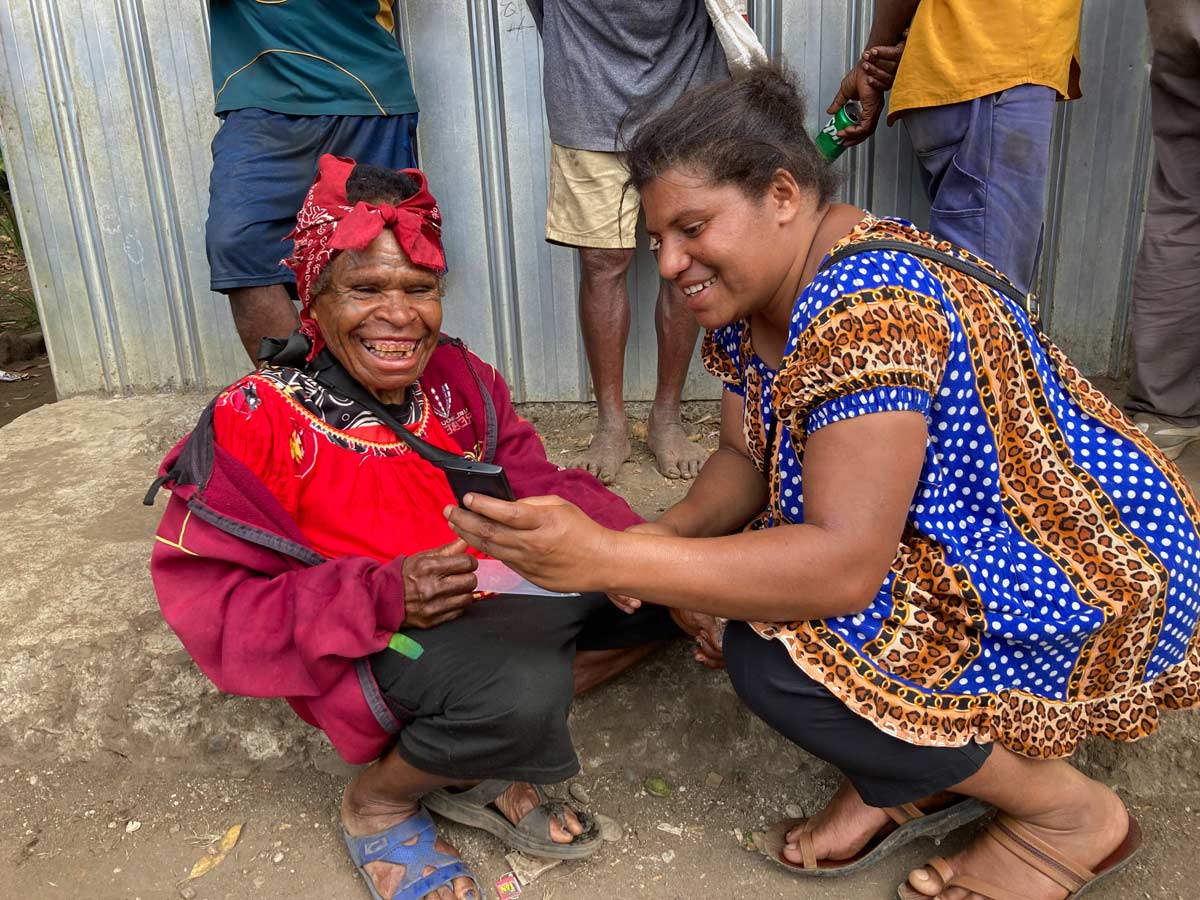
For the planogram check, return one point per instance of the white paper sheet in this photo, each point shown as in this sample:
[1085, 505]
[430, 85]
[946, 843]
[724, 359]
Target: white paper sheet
[496, 577]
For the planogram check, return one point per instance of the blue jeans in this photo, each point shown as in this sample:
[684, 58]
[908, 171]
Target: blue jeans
[984, 165]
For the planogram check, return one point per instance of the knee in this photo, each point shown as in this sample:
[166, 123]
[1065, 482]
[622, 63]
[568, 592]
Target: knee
[601, 267]
[528, 691]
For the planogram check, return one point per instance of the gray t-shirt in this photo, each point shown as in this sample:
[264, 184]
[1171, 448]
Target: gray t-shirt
[603, 58]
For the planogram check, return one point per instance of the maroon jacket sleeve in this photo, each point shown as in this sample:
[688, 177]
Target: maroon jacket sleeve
[262, 624]
[530, 472]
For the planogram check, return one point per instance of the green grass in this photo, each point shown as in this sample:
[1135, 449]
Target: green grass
[18, 304]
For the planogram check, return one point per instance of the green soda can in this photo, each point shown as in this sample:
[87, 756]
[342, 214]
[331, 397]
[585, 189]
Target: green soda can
[829, 145]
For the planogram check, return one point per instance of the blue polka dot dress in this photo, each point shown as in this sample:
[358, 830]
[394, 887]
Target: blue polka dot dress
[1047, 586]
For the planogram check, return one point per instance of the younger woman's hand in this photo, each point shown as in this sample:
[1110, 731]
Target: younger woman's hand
[624, 602]
[548, 540]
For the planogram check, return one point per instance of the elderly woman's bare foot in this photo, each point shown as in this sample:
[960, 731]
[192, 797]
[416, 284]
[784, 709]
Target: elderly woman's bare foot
[609, 448]
[675, 455]
[1088, 832]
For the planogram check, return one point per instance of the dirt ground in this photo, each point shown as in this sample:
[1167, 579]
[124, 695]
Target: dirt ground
[121, 829]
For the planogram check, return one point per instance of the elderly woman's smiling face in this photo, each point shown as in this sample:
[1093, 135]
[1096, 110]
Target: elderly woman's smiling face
[380, 316]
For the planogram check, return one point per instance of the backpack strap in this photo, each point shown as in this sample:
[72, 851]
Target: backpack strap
[1027, 302]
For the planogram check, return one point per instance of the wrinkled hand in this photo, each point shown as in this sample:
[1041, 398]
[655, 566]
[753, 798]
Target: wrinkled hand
[548, 540]
[438, 585]
[622, 601]
[709, 634]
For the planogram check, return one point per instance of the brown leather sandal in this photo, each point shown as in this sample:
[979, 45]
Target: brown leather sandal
[1034, 852]
[910, 823]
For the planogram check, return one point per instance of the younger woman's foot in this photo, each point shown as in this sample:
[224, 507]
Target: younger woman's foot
[1088, 832]
[847, 825]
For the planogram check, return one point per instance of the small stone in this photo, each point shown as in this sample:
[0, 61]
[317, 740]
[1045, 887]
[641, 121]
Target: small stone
[174, 829]
[713, 780]
[112, 824]
[579, 792]
[657, 786]
[33, 779]
[278, 857]
[259, 882]
[187, 892]
[668, 856]
[792, 811]
[610, 829]
[132, 825]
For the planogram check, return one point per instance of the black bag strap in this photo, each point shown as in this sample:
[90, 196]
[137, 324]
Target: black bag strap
[330, 373]
[1028, 302]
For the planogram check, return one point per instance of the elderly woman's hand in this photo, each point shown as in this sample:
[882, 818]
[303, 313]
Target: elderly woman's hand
[439, 585]
[548, 540]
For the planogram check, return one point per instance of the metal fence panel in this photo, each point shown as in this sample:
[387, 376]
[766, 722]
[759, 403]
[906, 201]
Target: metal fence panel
[106, 120]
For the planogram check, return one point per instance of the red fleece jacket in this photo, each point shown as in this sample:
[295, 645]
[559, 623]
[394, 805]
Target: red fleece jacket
[265, 615]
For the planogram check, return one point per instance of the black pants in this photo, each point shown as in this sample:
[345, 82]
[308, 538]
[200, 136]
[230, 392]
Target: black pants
[885, 770]
[489, 694]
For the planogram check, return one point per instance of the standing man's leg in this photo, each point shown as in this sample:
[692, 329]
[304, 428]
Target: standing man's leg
[985, 166]
[677, 329]
[1165, 389]
[591, 209]
[604, 321]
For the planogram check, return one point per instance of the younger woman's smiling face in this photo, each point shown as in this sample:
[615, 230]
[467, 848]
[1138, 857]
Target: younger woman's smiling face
[729, 253]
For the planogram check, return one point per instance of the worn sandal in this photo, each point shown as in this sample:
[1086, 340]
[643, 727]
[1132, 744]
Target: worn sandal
[1034, 852]
[910, 824]
[475, 807]
[391, 846]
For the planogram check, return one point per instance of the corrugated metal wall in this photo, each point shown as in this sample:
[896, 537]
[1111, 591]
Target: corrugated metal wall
[106, 115]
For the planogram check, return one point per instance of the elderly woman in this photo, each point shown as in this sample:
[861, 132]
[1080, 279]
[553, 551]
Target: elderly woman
[304, 554]
[946, 558]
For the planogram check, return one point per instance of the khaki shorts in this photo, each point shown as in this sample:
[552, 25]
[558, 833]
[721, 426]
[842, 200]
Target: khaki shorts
[589, 205]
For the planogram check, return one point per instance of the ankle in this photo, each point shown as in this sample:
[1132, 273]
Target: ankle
[612, 419]
[665, 412]
[363, 814]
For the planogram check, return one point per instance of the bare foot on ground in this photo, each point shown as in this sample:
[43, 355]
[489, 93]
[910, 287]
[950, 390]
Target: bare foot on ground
[514, 803]
[1087, 833]
[608, 450]
[675, 455]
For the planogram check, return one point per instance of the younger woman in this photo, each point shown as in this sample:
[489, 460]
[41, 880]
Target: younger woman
[947, 558]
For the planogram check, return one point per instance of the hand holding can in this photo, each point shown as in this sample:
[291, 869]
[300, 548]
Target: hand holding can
[829, 145]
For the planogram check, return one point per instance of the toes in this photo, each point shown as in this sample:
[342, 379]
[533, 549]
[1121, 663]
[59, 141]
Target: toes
[464, 889]
[558, 834]
[572, 823]
[792, 854]
[921, 881]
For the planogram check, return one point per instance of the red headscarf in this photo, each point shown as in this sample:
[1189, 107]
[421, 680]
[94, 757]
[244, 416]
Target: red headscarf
[327, 224]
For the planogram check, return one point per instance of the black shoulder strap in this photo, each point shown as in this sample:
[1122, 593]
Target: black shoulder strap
[1028, 302]
[330, 373]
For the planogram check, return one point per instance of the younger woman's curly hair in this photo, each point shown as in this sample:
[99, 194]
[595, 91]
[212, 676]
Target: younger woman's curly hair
[741, 131]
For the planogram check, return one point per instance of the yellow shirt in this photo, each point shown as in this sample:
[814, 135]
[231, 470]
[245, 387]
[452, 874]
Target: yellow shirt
[962, 49]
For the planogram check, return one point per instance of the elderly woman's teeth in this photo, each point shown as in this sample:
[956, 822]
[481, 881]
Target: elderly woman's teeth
[697, 288]
[391, 349]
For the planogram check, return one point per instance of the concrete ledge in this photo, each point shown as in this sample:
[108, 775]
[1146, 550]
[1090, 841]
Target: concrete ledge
[90, 670]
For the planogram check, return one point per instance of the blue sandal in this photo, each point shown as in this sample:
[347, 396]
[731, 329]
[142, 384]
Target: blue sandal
[390, 846]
